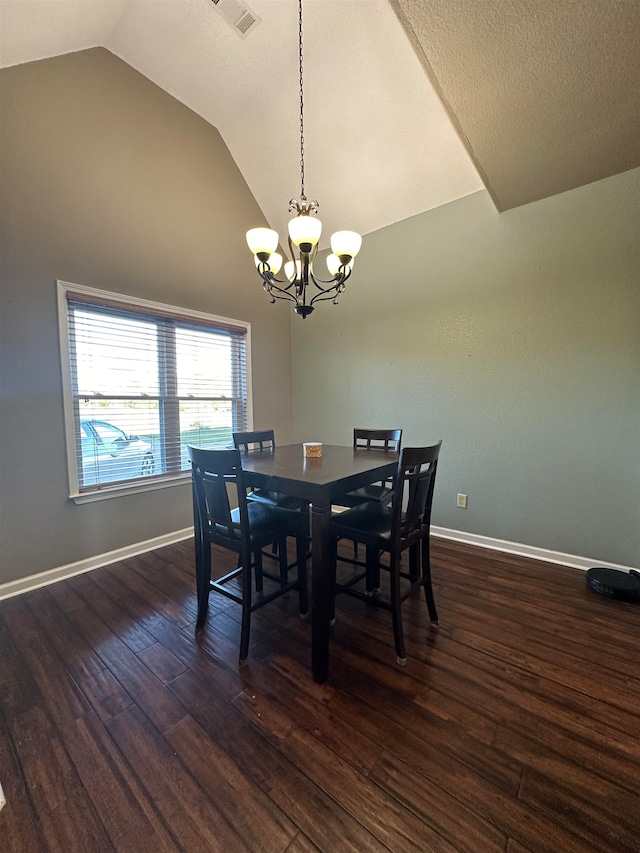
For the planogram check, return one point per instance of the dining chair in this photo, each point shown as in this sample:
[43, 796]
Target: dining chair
[382, 492]
[265, 440]
[372, 439]
[392, 530]
[245, 530]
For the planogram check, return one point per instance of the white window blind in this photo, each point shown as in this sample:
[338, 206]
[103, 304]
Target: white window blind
[145, 383]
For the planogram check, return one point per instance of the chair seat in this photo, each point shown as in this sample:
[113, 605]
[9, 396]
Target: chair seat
[265, 522]
[367, 520]
[381, 494]
[274, 499]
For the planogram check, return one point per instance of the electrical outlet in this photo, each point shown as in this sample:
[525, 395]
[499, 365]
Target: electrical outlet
[462, 501]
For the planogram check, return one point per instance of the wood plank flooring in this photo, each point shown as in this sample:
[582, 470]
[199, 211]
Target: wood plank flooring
[514, 727]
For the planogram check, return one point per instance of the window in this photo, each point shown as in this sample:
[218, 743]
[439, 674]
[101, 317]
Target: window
[142, 381]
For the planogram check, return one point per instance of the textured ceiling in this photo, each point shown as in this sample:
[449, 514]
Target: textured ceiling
[403, 112]
[545, 93]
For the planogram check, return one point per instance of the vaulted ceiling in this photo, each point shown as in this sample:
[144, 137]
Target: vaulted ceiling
[409, 104]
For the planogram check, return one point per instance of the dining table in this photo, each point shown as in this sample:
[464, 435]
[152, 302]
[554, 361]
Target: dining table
[320, 481]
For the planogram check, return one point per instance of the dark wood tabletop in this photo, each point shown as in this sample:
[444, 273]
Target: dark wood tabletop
[319, 481]
[339, 470]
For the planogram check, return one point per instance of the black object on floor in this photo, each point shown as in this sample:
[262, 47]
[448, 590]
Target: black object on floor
[625, 586]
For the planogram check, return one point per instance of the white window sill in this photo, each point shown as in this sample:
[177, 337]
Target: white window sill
[123, 489]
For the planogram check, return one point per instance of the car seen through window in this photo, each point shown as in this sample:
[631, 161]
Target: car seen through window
[109, 454]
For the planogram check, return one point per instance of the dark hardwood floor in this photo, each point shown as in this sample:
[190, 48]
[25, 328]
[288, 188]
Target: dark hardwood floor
[514, 728]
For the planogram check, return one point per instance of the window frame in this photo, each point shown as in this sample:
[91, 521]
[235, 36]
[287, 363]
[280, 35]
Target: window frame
[162, 481]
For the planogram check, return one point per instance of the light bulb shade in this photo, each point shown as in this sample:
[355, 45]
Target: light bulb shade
[345, 243]
[293, 272]
[305, 229]
[275, 262]
[262, 240]
[334, 263]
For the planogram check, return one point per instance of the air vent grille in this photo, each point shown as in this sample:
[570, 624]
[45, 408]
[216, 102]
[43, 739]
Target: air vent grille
[238, 15]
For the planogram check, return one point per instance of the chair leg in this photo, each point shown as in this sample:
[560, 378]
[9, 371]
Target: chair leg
[426, 578]
[246, 606]
[396, 613]
[203, 581]
[198, 546]
[333, 566]
[414, 561]
[258, 570]
[372, 576]
[306, 511]
[301, 561]
[281, 547]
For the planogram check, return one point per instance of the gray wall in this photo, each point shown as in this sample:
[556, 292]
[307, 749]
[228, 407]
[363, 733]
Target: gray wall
[516, 339]
[108, 181]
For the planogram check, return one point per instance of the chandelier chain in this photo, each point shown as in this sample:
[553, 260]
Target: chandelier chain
[302, 195]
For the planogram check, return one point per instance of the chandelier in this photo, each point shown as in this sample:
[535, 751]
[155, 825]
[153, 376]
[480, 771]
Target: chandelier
[300, 284]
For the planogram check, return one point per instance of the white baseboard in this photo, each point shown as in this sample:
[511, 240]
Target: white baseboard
[8, 590]
[570, 560]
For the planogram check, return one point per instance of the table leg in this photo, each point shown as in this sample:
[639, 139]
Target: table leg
[321, 584]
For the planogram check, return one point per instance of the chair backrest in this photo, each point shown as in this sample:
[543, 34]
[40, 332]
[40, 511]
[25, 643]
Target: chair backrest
[256, 440]
[212, 472]
[413, 495]
[384, 439]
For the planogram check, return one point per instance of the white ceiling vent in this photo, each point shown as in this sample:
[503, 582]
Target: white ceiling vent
[238, 15]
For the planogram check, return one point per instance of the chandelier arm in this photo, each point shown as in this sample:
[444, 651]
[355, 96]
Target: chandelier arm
[269, 286]
[268, 291]
[329, 293]
[335, 284]
[286, 281]
[268, 277]
[332, 292]
[327, 296]
[347, 274]
[336, 280]
[282, 295]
